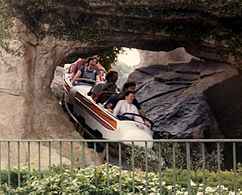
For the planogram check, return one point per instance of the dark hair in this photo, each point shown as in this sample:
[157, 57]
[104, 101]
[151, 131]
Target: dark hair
[128, 93]
[110, 73]
[84, 62]
[89, 60]
[95, 58]
[128, 84]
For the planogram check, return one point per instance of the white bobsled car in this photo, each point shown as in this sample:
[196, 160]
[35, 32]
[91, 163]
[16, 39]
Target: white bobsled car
[102, 124]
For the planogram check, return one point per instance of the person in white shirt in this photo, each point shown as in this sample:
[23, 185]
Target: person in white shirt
[127, 106]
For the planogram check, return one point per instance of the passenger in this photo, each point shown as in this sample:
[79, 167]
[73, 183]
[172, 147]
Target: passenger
[88, 72]
[111, 79]
[103, 75]
[112, 102]
[127, 106]
[78, 65]
[99, 68]
[102, 97]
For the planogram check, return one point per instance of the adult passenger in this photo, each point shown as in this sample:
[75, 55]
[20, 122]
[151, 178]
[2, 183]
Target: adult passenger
[88, 72]
[111, 79]
[99, 68]
[102, 97]
[127, 106]
[78, 65]
[112, 102]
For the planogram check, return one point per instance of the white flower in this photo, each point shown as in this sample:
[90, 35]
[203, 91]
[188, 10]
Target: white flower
[192, 183]
[169, 187]
[209, 190]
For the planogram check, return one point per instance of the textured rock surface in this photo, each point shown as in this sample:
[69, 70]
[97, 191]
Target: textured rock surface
[36, 36]
[57, 83]
[194, 100]
[29, 109]
[181, 100]
[178, 55]
[207, 29]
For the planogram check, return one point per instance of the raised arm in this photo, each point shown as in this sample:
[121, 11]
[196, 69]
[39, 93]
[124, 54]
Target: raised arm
[72, 75]
[97, 78]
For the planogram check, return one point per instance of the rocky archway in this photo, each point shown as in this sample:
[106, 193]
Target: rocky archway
[37, 35]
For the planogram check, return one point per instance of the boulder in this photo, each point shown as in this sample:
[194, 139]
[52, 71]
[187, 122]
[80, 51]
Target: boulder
[185, 100]
[57, 83]
[195, 100]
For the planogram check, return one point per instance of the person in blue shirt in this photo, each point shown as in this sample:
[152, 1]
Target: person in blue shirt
[88, 72]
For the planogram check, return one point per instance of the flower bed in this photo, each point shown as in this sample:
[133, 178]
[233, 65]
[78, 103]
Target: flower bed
[84, 182]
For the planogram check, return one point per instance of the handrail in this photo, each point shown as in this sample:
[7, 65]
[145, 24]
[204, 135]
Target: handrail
[138, 115]
[145, 161]
[84, 80]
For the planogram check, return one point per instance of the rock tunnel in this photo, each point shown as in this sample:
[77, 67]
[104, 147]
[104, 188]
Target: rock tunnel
[38, 36]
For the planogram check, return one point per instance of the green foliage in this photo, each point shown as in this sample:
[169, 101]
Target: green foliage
[6, 28]
[78, 23]
[166, 153]
[93, 180]
[109, 57]
[215, 21]
[69, 60]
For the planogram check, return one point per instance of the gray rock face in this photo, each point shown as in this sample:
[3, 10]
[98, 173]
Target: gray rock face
[194, 100]
[178, 55]
[180, 99]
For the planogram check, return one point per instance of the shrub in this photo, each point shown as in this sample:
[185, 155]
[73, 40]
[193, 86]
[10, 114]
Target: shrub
[167, 158]
[85, 182]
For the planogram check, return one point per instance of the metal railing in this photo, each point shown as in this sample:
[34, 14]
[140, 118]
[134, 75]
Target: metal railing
[186, 145]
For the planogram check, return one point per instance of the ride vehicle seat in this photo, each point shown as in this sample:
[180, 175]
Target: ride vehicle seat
[108, 90]
[103, 97]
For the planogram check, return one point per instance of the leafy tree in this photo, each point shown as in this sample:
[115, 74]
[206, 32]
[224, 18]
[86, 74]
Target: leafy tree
[109, 57]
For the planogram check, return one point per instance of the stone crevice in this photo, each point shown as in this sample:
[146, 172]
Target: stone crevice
[9, 92]
[161, 94]
[209, 74]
